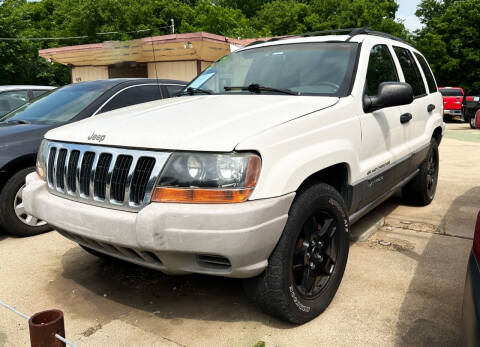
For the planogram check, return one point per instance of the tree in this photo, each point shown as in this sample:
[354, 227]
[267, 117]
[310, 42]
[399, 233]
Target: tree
[235, 18]
[451, 40]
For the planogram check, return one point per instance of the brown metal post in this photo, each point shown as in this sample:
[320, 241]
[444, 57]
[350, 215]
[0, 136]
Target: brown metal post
[43, 327]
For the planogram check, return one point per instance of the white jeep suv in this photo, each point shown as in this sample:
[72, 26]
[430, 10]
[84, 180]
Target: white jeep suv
[256, 171]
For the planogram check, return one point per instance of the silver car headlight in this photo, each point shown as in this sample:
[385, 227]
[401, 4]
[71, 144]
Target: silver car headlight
[208, 178]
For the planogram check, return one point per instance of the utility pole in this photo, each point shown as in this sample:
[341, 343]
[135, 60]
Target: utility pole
[172, 26]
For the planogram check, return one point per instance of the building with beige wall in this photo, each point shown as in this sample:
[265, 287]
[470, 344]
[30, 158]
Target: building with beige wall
[176, 56]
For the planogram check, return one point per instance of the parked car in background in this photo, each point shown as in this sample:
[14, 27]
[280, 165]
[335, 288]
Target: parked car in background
[471, 299]
[452, 101]
[22, 130]
[12, 97]
[471, 105]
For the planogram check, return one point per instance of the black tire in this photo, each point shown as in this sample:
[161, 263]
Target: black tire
[277, 290]
[472, 123]
[9, 220]
[420, 191]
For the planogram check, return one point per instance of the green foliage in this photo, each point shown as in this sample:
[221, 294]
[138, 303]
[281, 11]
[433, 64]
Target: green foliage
[451, 40]
[234, 18]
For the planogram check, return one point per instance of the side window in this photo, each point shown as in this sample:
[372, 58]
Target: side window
[432, 86]
[410, 71]
[132, 96]
[37, 93]
[381, 68]
[9, 101]
[173, 89]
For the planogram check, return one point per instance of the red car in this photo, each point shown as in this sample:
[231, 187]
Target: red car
[471, 299]
[452, 101]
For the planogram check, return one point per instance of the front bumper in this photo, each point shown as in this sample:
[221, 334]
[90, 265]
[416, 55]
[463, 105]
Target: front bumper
[232, 240]
[471, 305]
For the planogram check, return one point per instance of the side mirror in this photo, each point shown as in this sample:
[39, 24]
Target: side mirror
[389, 94]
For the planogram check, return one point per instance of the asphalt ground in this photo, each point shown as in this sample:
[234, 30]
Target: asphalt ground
[403, 284]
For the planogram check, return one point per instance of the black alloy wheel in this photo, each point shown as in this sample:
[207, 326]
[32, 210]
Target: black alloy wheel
[315, 254]
[432, 173]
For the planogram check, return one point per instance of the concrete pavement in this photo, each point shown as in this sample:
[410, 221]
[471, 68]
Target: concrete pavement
[403, 285]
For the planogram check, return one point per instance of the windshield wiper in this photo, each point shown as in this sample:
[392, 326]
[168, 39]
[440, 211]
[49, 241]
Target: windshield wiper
[257, 88]
[192, 91]
[18, 121]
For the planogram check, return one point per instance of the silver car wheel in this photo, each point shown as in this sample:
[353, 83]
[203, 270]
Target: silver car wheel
[24, 217]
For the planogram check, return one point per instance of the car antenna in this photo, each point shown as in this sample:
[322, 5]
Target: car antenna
[155, 64]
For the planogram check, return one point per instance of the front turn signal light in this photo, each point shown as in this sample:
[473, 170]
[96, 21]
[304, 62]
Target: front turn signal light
[199, 196]
[41, 172]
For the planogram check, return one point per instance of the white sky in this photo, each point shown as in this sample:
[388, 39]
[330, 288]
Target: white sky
[406, 12]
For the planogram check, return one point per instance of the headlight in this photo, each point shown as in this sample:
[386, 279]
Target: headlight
[208, 178]
[42, 160]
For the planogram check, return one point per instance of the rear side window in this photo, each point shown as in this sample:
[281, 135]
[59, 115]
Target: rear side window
[410, 71]
[173, 89]
[381, 68]
[432, 86]
[37, 93]
[132, 96]
[451, 92]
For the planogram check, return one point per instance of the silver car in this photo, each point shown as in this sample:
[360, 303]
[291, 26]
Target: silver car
[12, 97]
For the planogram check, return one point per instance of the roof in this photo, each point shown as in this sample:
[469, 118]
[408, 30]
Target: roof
[110, 83]
[175, 47]
[306, 38]
[23, 87]
[132, 81]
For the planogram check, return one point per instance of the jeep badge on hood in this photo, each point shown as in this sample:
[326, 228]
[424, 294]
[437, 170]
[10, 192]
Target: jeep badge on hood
[95, 137]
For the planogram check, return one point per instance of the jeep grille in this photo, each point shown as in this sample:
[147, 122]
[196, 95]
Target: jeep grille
[104, 176]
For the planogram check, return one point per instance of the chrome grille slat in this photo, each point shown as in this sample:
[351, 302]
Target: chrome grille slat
[103, 176]
[65, 170]
[92, 176]
[50, 165]
[119, 178]
[142, 173]
[72, 171]
[85, 173]
[109, 177]
[77, 173]
[129, 180]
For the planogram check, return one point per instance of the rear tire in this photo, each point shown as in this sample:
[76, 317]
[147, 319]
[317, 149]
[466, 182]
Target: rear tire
[307, 265]
[421, 190]
[472, 123]
[13, 218]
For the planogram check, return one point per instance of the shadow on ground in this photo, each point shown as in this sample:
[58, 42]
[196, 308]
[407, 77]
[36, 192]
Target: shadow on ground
[115, 287]
[109, 290]
[434, 297]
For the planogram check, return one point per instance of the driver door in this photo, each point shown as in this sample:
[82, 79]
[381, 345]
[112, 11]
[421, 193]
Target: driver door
[384, 137]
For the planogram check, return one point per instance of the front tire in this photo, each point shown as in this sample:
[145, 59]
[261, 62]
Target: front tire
[421, 190]
[307, 265]
[13, 218]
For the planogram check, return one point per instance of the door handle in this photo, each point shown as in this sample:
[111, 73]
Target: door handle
[405, 118]
[430, 108]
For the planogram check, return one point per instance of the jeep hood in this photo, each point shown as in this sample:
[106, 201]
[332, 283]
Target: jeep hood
[201, 123]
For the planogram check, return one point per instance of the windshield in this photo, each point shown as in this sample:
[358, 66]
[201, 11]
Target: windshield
[58, 106]
[321, 68]
[451, 92]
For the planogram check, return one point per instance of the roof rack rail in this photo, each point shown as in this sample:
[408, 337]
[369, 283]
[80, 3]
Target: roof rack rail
[351, 32]
[368, 31]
